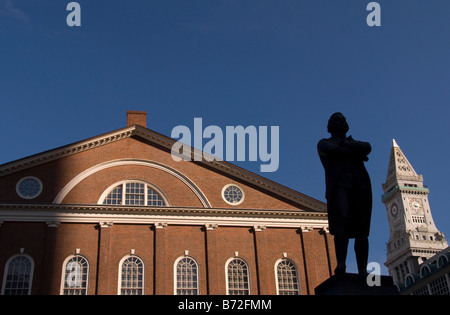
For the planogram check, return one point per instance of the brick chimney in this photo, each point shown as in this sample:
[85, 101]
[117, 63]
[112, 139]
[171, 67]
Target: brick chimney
[136, 118]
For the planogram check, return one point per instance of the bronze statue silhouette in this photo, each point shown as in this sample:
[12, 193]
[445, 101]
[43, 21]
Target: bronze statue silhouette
[348, 191]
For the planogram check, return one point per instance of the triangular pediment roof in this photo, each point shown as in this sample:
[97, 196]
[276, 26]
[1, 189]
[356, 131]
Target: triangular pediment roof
[157, 139]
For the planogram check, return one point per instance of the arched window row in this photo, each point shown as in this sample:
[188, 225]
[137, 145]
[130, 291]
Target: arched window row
[19, 269]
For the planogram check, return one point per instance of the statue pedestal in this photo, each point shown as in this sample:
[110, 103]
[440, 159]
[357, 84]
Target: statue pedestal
[354, 284]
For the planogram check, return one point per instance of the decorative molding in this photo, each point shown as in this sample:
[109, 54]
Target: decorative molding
[160, 225]
[211, 227]
[105, 224]
[259, 228]
[305, 229]
[325, 230]
[405, 189]
[169, 215]
[53, 223]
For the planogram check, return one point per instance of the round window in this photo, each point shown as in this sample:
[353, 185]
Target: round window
[232, 194]
[29, 187]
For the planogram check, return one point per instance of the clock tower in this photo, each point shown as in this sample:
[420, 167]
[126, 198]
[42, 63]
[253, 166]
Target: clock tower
[413, 234]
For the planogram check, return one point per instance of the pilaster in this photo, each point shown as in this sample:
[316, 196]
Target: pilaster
[211, 255]
[103, 280]
[160, 266]
[49, 285]
[261, 259]
[307, 241]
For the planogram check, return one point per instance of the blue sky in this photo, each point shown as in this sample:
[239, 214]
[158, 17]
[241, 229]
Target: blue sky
[286, 63]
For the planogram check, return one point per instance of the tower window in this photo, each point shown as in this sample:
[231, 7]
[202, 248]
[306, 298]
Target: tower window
[418, 219]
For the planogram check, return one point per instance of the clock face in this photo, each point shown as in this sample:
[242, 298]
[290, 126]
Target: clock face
[394, 210]
[416, 206]
[29, 187]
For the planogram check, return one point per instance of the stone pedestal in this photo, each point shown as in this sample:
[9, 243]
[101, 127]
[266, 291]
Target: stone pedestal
[354, 284]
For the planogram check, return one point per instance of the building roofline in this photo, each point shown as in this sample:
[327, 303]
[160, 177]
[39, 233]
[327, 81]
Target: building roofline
[167, 143]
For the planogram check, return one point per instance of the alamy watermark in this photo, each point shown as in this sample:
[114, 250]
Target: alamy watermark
[233, 144]
[374, 276]
[373, 18]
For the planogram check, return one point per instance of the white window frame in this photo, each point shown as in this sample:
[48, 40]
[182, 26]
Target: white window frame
[233, 203]
[248, 274]
[119, 285]
[296, 274]
[41, 187]
[124, 182]
[5, 274]
[64, 274]
[175, 288]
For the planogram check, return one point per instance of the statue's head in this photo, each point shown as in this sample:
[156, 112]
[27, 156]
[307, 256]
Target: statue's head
[337, 124]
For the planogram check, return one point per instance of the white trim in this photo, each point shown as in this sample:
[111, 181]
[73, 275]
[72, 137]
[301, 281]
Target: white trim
[233, 203]
[248, 275]
[25, 178]
[121, 162]
[169, 215]
[174, 216]
[5, 273]
[119, 277]
[110, 188]
[296, 273]
[175, 273]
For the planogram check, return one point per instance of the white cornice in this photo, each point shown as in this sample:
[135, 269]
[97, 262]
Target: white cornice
[166, 142]
[153, 215]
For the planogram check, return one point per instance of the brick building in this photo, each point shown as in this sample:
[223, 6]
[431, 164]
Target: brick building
[115, 214]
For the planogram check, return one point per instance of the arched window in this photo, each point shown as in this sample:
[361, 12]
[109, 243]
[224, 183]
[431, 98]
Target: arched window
[409, 280]
[442, 260]
[424, 270]
[238, 277]
[287, 278]
[131, 276]
[75, 276]
[18, 275]
[133, 193]
[186, 276]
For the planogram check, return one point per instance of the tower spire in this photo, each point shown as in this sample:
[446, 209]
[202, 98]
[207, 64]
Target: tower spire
[399, 168]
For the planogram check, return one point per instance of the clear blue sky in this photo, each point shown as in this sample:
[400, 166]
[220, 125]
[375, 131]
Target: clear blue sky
[286, 63]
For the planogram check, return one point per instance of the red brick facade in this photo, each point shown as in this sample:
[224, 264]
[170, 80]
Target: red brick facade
[67, 219]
